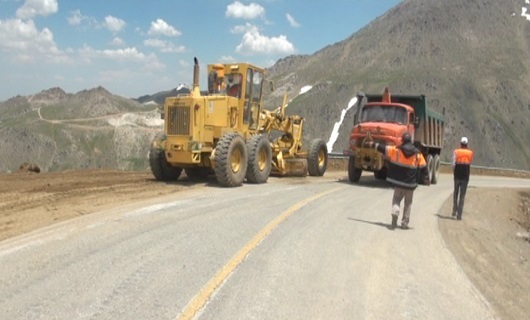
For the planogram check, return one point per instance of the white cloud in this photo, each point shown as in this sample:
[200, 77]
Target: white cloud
[114, 24]
[32, 8]
[160, 27]
[254, 42]
[240, 11]
[118, 42]
[292, 21]
[241, 28]
[184, 63]
[130, 54]
[25, 42]
[228, 59]
[164, 46]
[75, 18]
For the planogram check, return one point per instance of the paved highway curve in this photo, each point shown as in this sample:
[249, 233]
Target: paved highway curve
[294, 248]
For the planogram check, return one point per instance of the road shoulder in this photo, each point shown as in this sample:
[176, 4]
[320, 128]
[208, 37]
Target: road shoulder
[489, 246]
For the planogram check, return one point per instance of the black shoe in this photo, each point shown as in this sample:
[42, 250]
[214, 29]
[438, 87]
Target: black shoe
[394, 222]
[404, 227]
[454, 214]
[459, 218]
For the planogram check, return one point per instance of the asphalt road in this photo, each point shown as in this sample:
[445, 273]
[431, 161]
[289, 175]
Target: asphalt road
[297, 248]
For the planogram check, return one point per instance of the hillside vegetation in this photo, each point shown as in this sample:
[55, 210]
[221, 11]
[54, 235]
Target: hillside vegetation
[86, 130]
[470, 58]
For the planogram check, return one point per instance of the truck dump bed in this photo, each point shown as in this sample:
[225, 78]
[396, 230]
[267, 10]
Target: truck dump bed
[430, 132]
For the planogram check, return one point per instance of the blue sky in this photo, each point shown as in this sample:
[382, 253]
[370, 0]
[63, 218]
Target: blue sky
[134, 47]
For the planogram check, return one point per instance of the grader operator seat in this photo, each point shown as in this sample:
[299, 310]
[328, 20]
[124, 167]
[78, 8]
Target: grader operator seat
[233, 85]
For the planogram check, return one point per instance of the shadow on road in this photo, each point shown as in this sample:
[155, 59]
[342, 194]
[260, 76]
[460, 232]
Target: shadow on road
[367, 182]
[444, 217]
[380, 224]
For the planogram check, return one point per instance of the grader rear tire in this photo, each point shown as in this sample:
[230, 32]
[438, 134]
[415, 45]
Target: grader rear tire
[231, 160]
[317, 158]
[160, 168]
[259, 159]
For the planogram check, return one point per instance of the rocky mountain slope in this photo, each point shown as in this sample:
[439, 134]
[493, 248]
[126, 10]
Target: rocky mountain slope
[90, 129]
[470, 58]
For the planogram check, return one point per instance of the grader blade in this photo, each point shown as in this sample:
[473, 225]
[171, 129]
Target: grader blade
[295, 167]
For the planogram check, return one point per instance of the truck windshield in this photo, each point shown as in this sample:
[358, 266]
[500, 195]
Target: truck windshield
[375, 113]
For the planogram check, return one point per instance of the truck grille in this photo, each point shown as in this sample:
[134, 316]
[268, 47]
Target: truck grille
[178, 121]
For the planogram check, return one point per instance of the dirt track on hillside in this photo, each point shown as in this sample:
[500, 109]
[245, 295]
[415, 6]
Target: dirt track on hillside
[489, 243]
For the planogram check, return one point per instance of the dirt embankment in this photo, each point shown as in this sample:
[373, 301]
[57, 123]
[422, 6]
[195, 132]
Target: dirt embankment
[29, 200]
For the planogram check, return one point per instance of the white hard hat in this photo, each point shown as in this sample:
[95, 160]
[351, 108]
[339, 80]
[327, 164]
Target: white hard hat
[463, 140]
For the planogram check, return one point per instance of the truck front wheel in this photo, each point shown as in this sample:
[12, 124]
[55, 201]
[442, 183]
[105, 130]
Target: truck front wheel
[354, 174]
[380, 174]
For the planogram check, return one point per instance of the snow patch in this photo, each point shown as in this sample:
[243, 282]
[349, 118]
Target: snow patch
[336, 127]
[304, 89]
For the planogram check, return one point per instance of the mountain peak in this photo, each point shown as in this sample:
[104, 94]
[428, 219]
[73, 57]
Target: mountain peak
[48, 96]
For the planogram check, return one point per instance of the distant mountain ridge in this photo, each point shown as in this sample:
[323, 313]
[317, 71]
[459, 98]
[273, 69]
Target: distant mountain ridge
[89, 129]
[161, 96]
[470, 58]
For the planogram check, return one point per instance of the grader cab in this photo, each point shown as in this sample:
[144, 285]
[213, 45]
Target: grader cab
[227, 133]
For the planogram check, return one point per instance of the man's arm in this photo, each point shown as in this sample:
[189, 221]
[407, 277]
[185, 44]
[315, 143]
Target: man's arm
[381, 147]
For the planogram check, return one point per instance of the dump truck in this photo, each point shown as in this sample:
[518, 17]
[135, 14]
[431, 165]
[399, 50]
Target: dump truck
[383, 118]
[226, 131]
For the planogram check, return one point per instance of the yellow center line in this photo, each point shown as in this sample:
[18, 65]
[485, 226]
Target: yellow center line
[205, 293]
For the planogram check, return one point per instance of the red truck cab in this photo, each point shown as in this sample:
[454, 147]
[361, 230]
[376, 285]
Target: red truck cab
[383, 119]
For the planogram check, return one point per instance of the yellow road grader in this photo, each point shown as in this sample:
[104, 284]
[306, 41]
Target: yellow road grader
[226, 132]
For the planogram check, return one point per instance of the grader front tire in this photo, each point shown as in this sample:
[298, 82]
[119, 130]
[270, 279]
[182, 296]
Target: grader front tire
[230, 160]
[317, 158]
[160, 168]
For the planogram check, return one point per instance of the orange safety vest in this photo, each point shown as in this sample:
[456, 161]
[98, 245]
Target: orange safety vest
[402, 171]
[462, 158]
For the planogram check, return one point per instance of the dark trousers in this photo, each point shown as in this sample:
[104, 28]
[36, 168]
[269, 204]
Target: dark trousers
[459, 195]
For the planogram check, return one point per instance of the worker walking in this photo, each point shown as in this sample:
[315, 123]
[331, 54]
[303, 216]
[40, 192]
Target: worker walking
[406, 166]
[462, 158]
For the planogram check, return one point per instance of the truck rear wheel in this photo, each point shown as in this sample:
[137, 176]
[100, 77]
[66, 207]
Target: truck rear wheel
[354, 174]
[230, 160]
[160, 168]
[317, 158]
[430, 165]
[435, 168]
[259, 159]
